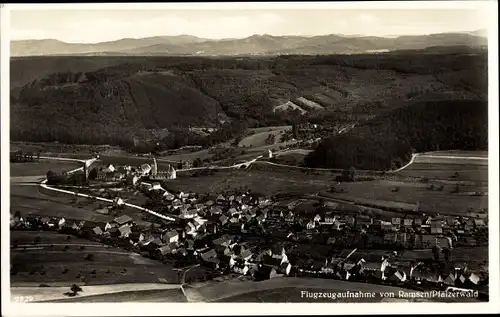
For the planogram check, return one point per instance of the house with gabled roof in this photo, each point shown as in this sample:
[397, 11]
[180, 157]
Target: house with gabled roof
[285, 268]
[215, 210]
[233, 211]
[479, 223]
[398, 277]
[171, 236]
[190, 229]
[122, 220]
[166, 249]
[408, 222]
[450, 279]
[261, 219]
[125, 231]
[469, 224]
[188, 213]
[97, 231]
[210, 256]
[225, 240]
[289, 217]
[396, 221]
[474, 279]
[418, 222]
[223, 219]
[220, 199]
[246, 254]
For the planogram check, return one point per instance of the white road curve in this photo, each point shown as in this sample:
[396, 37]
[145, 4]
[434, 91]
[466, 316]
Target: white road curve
[45, 186]
[408, 164]
[239, 165]
[62, 159]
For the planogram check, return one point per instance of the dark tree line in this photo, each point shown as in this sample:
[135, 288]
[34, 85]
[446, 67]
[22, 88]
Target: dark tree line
[388, 141]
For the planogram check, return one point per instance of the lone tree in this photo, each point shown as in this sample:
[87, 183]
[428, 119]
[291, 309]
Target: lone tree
[75, 289]
[197, 162]
[348, 175]
[50, 174]
[93, 174]
[435, 252]
[447, 254]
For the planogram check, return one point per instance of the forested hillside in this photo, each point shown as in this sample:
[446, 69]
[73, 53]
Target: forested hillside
[388, 141]
[140, 97]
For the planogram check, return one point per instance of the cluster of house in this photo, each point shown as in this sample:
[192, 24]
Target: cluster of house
[133, 175]
[209, 230]
[333, 226]
[211, 233]
[390, 270]
[443, 231]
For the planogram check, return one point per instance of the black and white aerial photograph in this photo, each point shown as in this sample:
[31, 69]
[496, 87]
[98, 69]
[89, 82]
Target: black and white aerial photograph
[251, 153]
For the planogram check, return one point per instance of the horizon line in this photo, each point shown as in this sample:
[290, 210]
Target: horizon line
[386, 36]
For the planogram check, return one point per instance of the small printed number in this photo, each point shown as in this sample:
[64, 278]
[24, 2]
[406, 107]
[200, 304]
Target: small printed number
[23, 299]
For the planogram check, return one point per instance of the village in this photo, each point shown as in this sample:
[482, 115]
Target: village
[265, 237]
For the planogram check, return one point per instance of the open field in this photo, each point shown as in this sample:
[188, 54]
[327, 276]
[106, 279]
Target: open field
[30, 201]
[433, 171]
[41, 168]
[266, 129]
[381, 192]
[303, 152]
[174, 295]
[292, 157]
[259, 138]
[111, 265]
[47, 237]
[452, 160]
[202, 154]
[459, 153]
[269, 183]
[458, 166]
[149, 292]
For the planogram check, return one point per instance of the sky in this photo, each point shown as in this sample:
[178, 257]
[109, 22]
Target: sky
[91, 26]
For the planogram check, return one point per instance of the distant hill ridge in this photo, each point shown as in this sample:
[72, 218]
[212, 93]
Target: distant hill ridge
[253, 45]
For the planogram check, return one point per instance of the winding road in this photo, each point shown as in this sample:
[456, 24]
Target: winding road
[245, 164]
[88, 162]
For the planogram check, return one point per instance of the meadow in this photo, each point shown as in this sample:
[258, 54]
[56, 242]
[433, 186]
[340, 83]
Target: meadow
[41, 168]
[268, 183]
[66, 262]
[29, 200]
[397, 194]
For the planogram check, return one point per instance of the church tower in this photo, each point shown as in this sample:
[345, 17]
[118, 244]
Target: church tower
[154, 168]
